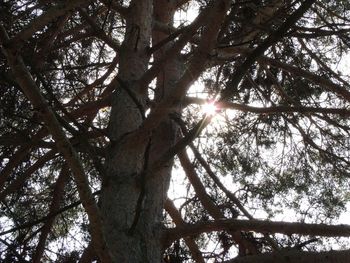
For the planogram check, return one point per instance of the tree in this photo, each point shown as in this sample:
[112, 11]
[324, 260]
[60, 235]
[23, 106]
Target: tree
[96, 111]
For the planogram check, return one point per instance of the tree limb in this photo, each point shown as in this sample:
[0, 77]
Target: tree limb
[261, 226]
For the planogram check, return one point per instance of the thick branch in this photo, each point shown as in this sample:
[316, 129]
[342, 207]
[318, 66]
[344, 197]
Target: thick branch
[261, 226]
[186, 34]
[88, 255]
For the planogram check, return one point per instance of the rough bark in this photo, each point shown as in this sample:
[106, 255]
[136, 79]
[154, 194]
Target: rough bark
[132, 203]
[121, 185]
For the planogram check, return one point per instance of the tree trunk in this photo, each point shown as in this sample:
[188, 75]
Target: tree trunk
[121, 186]
[131, 204]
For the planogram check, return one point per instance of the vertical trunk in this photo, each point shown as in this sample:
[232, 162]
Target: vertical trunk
[164, 136]
[120, 189]
[132, 207]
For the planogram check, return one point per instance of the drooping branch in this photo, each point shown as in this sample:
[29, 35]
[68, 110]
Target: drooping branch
[217, 181]
[95, 83]
[323, 64]
[228, 193]
[264, 14]
[45, 218]
[48, 41]
[309, 141]
[278, 88]
[14, 161]
[18, 157]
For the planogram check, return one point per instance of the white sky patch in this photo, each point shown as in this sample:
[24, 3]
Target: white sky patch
[185, 16]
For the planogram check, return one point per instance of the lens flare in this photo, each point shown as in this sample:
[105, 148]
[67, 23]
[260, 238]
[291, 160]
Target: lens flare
[209, 108]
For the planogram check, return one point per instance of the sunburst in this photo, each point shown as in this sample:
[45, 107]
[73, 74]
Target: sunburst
[210, 108]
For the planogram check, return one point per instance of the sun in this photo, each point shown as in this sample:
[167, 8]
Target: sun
[209, 108]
